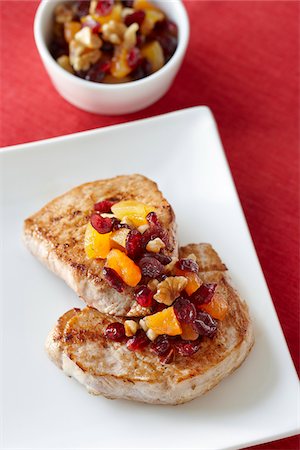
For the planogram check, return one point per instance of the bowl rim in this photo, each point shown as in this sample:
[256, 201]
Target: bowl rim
[183, 26]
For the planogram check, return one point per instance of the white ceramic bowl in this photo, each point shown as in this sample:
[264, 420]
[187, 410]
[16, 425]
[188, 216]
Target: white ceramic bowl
[104, 98]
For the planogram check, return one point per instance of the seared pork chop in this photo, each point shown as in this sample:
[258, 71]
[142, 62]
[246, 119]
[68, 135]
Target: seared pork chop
[78, 346]
[55, 235]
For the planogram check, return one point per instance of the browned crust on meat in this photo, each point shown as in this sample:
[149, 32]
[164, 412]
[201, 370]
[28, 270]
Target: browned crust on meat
[55, 234]
[83, 342]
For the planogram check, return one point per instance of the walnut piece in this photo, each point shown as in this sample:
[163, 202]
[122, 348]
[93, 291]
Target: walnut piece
[169, 289]
[63, 13]
[151, 334]
[130, 36]
[113, 32]
[169, 267]
[152, 284]
[131, 327]
[155, 246]
[64, 62]
[93, 6]
[80, 59]
[87, 38]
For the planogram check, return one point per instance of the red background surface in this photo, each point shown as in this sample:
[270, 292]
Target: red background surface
[242, 62]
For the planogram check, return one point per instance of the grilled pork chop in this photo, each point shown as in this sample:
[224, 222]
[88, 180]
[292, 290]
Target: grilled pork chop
[55, 235]
[78, 346]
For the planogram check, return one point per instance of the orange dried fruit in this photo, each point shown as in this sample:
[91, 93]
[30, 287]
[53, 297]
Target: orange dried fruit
[154, 54]
[188, 332]
[124, 266]
[194, 281]
[116, 15]
[143, 4]
[70, 29]
[217, 307]
[96, 245]
[164, 322]
[151, 18]
[119, 66]
[135, 212]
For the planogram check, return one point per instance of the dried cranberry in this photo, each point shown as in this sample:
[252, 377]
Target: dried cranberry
[187, 265]
[164, 259]
[82, 8]
[143, 70]
[203, 294]
[105, 66]
[104, 206]
[184, 310]
[128, 3]
[133, 57]
[92, 24]
[150, 267]
[171, 28]
[168, 358]
[115, 332]
[134, 244]
[144, 296]
[101, 224]
[161, 346]
[157, 307]
[136, 16]
[138, 341]
[168, 44]
[104, 7]
[205, 325]
[140, 39]
[107, 47]
[153, 220]
[118, 224]
[113, 279]
[187, 348]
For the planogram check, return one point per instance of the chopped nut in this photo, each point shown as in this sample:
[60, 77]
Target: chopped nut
[155, 246]
[80, 59]
[169, 267]
[143, 228]
[63, 13]
[143, 325]
[130, 36]
[87, 38]
[151, 335]
[131, 327]
[93, 6]
[127, 221]
[119, 237]
[108, 215]
[153, 284]
[64, 62]
[169, 289]
[126, 11]
[113, 32]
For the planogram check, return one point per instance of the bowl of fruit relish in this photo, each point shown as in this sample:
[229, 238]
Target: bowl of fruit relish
[110, 56]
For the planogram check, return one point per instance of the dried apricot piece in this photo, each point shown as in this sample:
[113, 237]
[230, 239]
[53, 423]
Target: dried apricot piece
[70, 29]
[194, 281]
[217, 307]
[96, 245]
[135, 211]
[124, 266]
[164, 322]
[153, 52]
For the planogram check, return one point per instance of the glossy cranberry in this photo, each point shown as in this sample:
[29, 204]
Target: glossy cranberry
[113, 279]
[138, 341]
[118, 224]
[161, 346]
[187, 348]
[92, 24]
[143, 70]
[136, 16]
[104, 206]
[205, 325]
[115, 332]
[144, 296]
[187, 265]
[105, 66]
[128, 3]
[104, 7]
[150, 267]
[153, 220]
[172, 28]
[168, 44]
[164, 259]
[204, 294]
[101, 224]
[140, 39]
[184, 310]
[133, 57]
[134, 244]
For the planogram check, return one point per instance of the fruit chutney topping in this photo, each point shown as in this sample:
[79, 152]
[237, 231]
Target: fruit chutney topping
[182, 309]
[112, 41]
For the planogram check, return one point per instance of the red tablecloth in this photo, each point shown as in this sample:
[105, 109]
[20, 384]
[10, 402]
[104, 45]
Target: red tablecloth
[242, 62]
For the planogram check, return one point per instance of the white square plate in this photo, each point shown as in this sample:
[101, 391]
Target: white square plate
[42, 408]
